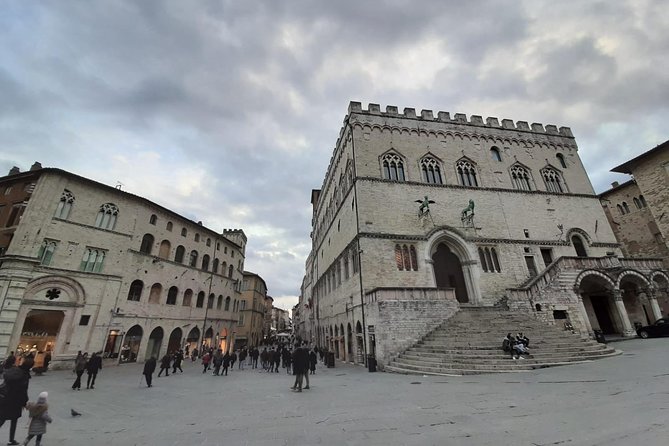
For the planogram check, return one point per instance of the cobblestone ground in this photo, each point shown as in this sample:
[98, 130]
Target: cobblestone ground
[617, 401]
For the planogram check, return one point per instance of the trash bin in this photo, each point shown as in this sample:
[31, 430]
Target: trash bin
[371, 363]
[330, 357]
[599, 336]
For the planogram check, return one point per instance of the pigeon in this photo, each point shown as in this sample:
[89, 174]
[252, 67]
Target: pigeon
[74, 413]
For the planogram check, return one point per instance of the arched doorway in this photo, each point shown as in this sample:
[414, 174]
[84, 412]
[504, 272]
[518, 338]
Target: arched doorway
[39, 333]
[579, 247]
[174, 342]
[633, 288]
[155, 342]
[223, 340]
[131, 343]
[349, 344]
[448, 272]
[336, 341]
[597, 293]
[359, 342]
[661, 284]
[193, 338]
[208, 335]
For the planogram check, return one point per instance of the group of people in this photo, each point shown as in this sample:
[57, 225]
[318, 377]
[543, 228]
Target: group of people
[516, 346]
[91, 366]
[14, 398]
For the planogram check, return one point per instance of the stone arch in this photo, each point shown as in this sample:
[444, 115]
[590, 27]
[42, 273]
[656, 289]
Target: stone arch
[466, 256]
[155, 342]
[580, 232]
[74, 294]
[592, 272]
[131, 344]
[658, 274]
[164, 250]
[634, 273]
[174, 342]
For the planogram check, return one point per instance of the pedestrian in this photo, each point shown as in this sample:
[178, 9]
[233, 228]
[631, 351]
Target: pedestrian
[242, 358]
[186, 351]
[218, 361]
[178, 358]
[254, 357]
[165, 365]
[205, 362]
[16, 381]
[39, 417]
[299, 367]
[226, 363]
[263, 358]
[9, 361]
[193, 355]
[94, 365]
[313, 360]
[233, 359]
[79, 368]
[287, 360]
[277, 359]
[149, 368]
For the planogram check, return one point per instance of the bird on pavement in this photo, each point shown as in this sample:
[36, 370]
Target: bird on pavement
[74, 413]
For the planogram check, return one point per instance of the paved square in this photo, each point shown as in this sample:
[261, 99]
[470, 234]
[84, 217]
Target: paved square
[618, 401]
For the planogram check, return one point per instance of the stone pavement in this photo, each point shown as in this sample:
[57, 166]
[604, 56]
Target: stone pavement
[617, 401]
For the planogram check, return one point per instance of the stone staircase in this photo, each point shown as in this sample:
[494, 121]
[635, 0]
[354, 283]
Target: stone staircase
[470, 343]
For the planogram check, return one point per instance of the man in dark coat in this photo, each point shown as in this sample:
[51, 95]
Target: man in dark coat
[254, 357]
[16, 395]
[178, 358]
[300, 364]
[94, 365]
[313, 360]
[276, 355]
[149, 368]
[165, 365]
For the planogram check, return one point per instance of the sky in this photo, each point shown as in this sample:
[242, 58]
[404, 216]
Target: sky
[228, 111]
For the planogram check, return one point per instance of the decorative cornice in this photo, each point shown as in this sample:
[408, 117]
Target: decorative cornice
[476, 240]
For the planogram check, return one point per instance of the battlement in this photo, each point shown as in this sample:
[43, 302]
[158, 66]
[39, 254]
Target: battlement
[460, 118]
[236, 235]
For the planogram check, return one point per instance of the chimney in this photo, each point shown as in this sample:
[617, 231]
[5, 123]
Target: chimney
[36, 166]
[14, 170]
[615, 184]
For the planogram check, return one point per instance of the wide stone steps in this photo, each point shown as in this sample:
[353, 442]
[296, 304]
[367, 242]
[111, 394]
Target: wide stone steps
[470, 343]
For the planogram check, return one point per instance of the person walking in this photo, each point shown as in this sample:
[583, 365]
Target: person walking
[193, 355]
[39, 417]
[205, 362]
[218, 361]
[16, 380]
[242, 358]
[233, 359]
[178, 359]
[263, 358]
[149, 368]
[165, 365]
[94, 365]
[299, 367]
[313, 360]
[254, 357]
[226, 363]
[79, 368]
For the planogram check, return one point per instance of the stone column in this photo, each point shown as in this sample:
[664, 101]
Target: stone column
[652, 298]
[628, 331]
[584, 315]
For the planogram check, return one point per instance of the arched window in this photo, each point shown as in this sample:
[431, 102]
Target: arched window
[620, 209]
[430, 170]
[483, 260]
[227, 303]
[188, 297]
[93, 260]
[65, 205]
[205, 262]
[147, 244]
[169, 226]
[561, 160]
[165, 248]
[495, 260]
[489, 259]
[172, 296]
[135, 291]
[200, 300]
[179, 254]
[398, 257]
[153, 220]
[495, 154]
[407, 260]
[578, 246]
[224, 268]
[184, 232]
[626, 208]
[553, 180]
[154, 295]
[193, 259]
[393, 167]
[414, 258]
[210, 301]
[46, 250]
[197, 237]
[637, 203]
[208, 242]
[219, 302]
[643, 200]
[107, 215]
[230, 270]
[466, 173]
[520, 178]
[214, 266]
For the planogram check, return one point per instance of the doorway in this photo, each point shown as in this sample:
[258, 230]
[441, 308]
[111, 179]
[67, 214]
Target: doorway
[155, 342]
[448, 272]
[130, 349]
[39, 333]
[174, 344]
[601, 307]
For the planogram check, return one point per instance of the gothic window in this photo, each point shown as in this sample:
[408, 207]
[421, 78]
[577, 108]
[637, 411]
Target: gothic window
[414, 258]
[93, 260]
[16, 214]
[193, 259]
[107, 215]
[430, 170]
[626, 207]
[200, 300]
[172, 296]
[184, 232]
[208, 242]
[188, 297]
[169, 226]
[405, 257]
[553, 180]
[643, 201]
[45, 253]
[620, 209]
[637, 203]
[520, 177]
[355, 259]
[495, 154]
[135, 291]
[147, 244]
[393, 167]
[154, 295]
[153, 220]
[179, 254]
[495, 260]
[197, 237]
[219, 302]
[482, 259]
[578, 246]
[466, 173]
[346, 273]
[561, 160]
[227, 303]
[230, 270]
[65, 205]
[214, 266]
[210, 301]
[489, 260]
[205, 262]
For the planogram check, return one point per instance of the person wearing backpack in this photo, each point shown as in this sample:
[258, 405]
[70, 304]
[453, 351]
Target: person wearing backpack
[14, 395]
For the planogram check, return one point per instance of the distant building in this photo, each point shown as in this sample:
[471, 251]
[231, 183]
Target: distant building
[90, 267]
[267, 323]
[251, 311]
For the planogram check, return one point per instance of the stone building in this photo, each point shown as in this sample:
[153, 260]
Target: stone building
[251, 310]
[89, 267]
[420, 215]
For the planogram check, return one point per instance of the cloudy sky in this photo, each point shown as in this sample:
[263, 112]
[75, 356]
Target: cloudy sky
[227, 111]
